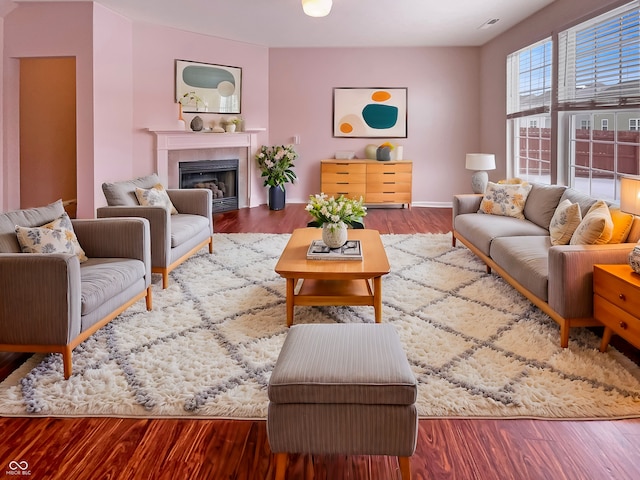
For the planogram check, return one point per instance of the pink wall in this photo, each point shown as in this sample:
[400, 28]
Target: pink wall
[493, 60]
[112, 101]
[155, 49]
[443, 110]
[97, 38]
[125, 85]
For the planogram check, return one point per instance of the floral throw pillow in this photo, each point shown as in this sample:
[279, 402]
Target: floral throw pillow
[54, 237]
[564, 222]
[155, 196]
[505, 199]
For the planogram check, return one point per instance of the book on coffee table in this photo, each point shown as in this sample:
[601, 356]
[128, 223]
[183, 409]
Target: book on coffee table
[352, 250]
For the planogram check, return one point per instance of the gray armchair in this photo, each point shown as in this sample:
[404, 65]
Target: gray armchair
[174, 238]
[50, 302]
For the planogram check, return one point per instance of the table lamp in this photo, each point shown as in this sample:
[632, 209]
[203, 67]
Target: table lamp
[630, 203]
[480, 162]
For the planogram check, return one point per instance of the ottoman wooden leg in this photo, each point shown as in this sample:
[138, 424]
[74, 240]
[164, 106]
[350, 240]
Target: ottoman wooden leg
[281, 465]
[405, 468]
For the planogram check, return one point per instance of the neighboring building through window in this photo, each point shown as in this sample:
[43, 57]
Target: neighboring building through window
[634, 124]
[604, 124]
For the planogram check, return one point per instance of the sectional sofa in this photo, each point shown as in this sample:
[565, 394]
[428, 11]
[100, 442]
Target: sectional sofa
[519, 246]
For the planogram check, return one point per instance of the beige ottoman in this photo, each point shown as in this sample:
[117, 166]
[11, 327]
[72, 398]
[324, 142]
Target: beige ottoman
[342, 389]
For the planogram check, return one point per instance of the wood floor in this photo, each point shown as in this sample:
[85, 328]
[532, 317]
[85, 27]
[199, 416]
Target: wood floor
[103, 448]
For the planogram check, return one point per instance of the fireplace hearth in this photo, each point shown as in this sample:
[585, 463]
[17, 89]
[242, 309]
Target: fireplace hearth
[219, 176]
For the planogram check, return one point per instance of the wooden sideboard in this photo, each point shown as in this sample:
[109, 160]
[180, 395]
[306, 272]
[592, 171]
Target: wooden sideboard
[377, 182]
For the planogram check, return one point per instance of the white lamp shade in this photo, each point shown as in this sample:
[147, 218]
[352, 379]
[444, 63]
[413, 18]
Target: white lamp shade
[480, 161]
[317, 8]
[630, 195]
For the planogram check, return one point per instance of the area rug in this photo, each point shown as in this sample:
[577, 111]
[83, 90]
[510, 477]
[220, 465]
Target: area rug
[476, 346]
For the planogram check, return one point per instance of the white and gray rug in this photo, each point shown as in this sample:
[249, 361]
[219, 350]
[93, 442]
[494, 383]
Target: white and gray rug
[477, 347]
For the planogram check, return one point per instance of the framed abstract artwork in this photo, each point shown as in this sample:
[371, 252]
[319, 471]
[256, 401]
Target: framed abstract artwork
[208, 88]
[370, 112]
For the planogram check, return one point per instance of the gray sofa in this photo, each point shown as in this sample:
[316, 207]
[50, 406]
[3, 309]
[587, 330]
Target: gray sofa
[50, 302]
[556, 278]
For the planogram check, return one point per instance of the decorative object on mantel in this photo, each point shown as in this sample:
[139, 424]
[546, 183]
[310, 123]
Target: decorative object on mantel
[630, 203]
[231, 124]
[480, 162]
[191, 98]
[181, 123]
[334, 215]
[197, 124]
[276, 165]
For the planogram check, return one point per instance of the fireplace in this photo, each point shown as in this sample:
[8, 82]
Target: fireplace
[219, 176]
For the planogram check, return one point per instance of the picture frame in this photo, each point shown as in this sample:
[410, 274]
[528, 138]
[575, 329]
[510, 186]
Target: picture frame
[370, 112]
[208, 88]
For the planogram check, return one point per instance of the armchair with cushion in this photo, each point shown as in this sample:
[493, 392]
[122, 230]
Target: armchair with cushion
[174, 236]
[80, 275]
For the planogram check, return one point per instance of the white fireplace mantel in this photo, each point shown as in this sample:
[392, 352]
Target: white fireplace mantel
[174, 140]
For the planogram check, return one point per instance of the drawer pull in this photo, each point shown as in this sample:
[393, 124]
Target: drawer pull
[622, 297]
[623, 325]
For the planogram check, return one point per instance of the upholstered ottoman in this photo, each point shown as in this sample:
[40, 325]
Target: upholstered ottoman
[342, 389]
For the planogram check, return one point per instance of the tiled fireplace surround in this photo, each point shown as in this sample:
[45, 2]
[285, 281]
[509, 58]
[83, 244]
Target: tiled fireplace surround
[173, 147]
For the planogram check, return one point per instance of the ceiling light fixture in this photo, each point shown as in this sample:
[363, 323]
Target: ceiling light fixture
[317, 8]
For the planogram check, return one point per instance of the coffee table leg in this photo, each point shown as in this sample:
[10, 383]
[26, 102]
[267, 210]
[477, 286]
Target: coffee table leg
[291, 285]
[377, 298]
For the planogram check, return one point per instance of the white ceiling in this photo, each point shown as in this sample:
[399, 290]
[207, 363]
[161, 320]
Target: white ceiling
[351, 23]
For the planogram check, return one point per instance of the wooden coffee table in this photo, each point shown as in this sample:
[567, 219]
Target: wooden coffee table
[333, 282]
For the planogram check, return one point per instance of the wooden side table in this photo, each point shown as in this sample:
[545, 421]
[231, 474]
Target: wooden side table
[616, 302]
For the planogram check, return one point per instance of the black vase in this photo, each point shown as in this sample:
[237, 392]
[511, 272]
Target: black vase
[276, 198]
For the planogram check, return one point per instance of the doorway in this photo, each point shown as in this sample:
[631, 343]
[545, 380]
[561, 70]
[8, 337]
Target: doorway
[48, 155]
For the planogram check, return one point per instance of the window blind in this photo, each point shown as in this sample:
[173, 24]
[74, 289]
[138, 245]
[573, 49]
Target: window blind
[529, 80]
[599, 61]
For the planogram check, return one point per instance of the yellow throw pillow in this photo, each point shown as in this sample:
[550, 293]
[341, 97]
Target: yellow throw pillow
[155, 196]
[54, 237]
[564, 222]
[621, 225]
[505, 199]
[596, 228]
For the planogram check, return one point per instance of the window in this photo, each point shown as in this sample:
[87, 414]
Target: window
[528, 107]
[596, 84]
[599, 84]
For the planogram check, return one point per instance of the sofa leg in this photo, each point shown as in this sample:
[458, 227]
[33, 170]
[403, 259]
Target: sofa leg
[453, 241]
[165, 278]
[281, 465]
[67, 362]
[211, 245]
[149, 299]
[564, 334]
[405, 468]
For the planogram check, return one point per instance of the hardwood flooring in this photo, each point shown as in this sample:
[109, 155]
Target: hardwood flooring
[111, 448]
